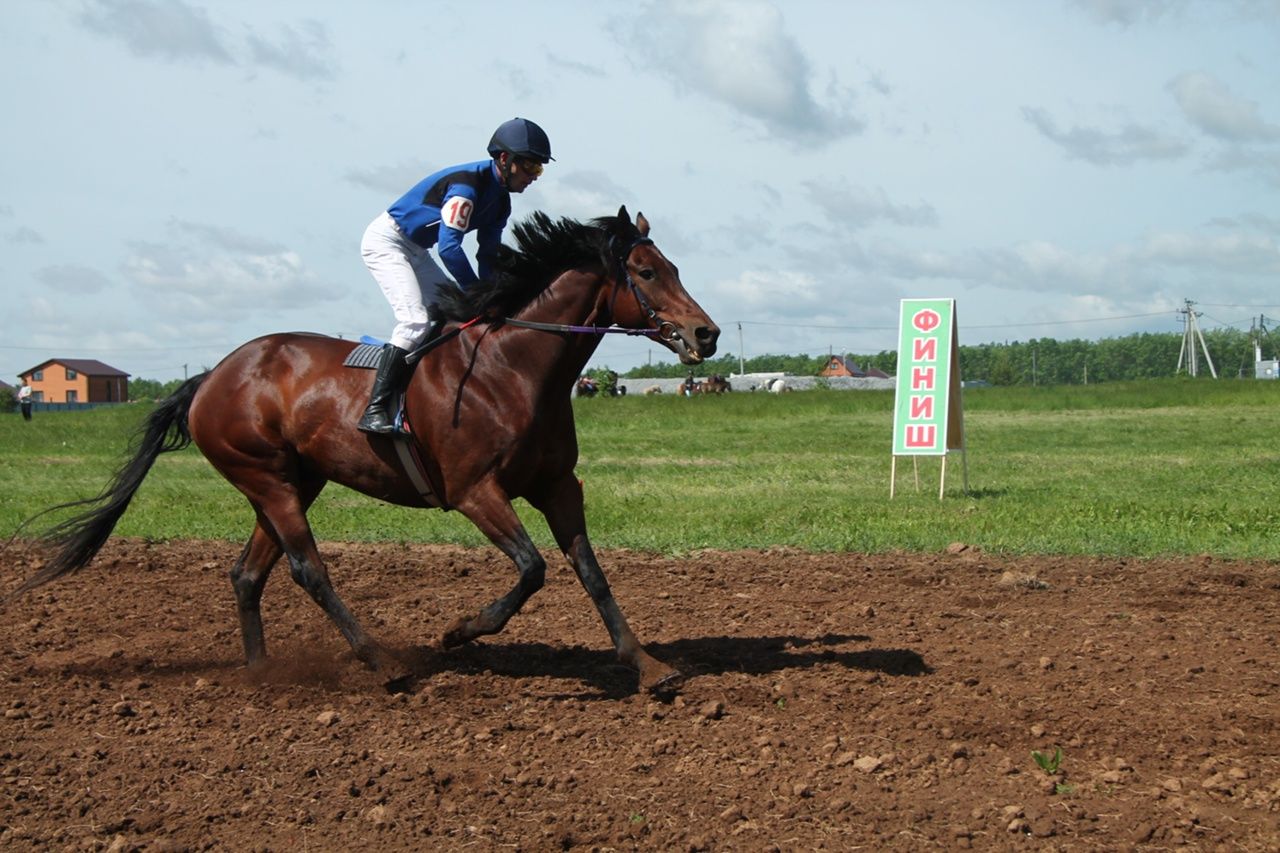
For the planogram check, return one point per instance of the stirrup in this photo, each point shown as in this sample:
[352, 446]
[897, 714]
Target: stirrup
[377, 422]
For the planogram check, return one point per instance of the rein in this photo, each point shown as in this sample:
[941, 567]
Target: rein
[582, 330]
[663, 329]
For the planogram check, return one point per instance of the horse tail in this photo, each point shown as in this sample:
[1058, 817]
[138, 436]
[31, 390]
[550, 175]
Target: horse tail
[78, 539]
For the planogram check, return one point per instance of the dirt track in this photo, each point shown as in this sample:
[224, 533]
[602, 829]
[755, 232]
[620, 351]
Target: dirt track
[835, 701]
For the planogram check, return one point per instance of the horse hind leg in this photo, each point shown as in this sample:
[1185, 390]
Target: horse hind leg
[248, 579]
[284, 509]
[250, 572]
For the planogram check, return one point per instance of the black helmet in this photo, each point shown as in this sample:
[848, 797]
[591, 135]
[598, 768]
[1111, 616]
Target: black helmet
[521, 138]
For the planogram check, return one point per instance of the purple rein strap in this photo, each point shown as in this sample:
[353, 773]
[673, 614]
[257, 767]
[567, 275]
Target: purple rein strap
[582, 330]
[664, 330]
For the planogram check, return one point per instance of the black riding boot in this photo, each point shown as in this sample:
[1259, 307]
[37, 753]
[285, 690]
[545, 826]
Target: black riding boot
[392, 373]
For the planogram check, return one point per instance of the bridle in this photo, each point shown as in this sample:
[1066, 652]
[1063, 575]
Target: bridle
[662, 329]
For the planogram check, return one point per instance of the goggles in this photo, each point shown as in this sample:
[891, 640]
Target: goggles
[532, 168]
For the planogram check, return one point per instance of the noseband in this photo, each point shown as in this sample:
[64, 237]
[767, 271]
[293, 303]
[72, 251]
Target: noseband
[663, 329]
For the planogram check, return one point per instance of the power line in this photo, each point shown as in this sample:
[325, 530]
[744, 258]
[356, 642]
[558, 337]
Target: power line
[1248, 307]
[967, 325]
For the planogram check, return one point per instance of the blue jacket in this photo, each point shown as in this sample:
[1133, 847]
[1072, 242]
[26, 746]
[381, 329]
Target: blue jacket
[446, 205]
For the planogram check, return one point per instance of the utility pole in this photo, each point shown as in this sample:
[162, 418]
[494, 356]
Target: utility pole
[742, 363]
[1190, 335]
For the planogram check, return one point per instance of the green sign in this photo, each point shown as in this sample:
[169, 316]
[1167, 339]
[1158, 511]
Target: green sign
[927, 418]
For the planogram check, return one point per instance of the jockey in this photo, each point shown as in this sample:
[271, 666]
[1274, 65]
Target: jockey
[438, 211]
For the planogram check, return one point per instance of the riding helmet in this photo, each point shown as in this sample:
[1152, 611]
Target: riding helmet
[520, 137]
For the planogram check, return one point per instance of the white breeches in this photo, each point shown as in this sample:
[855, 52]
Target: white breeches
[407, 274]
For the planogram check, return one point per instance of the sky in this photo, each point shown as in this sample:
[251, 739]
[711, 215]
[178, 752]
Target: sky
[178, 177]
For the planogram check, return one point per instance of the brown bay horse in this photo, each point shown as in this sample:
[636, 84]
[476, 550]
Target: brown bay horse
[714, 384]
[491, 415]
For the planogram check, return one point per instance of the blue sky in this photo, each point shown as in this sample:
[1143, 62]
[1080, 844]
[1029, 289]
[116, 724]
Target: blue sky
[181, 176]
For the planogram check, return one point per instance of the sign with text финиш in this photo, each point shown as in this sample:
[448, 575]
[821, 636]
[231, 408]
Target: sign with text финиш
[927, 415]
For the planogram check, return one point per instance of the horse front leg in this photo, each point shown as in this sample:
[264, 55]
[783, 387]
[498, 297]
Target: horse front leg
[491, 511]
[562, 506]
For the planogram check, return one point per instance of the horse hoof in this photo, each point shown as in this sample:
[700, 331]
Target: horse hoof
[401, 684]
[456, 635]
[667, 685]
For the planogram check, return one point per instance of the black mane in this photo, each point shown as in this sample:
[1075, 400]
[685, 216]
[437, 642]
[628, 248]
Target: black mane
[545, 248]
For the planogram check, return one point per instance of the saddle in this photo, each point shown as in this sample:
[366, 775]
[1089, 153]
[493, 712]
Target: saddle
[365, 356]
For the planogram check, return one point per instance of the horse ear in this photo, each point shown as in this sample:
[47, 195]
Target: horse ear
[642, 225]
[623, 216]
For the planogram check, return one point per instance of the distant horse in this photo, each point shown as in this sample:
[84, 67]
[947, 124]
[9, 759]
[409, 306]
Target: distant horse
[714, 384]
[779, 386]
[585, 387]
[491, 416]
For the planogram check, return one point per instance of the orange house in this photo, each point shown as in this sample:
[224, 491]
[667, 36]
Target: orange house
[76, 380]
[844, 365]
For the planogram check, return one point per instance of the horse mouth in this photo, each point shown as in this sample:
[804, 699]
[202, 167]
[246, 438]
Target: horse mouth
[688, 354]
[692, 343]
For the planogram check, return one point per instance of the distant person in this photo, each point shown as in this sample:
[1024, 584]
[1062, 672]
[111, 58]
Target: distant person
[24, 399]
[689, 384]
[438, 211]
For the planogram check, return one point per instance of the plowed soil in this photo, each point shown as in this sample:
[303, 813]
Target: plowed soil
[831, 702]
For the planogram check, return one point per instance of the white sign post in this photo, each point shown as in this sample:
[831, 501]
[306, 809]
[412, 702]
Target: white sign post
[928, 418]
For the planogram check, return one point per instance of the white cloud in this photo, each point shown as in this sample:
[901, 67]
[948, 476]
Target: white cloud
[304, 52]
[858, 207]
[582, 194]
[73, 279]
[176, 31]
[738, 52]
[217, 273]
[1210, 106]
[1154, 264]
[164, 29]
[24, 235]
[769, 292]
[1128, 12]
[1132, 143]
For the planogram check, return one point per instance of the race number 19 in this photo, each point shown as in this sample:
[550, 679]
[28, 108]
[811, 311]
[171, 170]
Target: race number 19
[456, 212]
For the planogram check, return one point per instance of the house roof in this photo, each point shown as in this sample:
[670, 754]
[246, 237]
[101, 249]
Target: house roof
[847, 362]
[87, 366]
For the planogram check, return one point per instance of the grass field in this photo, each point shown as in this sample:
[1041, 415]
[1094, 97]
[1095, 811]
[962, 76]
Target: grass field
[1142, 469]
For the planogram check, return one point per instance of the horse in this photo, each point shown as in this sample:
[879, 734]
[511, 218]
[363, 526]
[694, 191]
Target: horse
[491, 419]
[714, 384]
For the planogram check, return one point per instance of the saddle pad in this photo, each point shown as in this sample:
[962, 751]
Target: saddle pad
[364, 355]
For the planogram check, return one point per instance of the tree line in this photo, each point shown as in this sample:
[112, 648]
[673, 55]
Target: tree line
[1039, 361]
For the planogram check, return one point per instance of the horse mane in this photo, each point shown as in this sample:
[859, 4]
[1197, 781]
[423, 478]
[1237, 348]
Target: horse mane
[544, 249]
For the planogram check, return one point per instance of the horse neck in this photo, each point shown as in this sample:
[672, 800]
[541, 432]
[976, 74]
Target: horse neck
[575, 298]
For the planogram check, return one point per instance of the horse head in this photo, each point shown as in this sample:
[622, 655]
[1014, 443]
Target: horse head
[648, 292]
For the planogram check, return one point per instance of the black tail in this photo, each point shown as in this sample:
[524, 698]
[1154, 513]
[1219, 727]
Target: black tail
[79, 539]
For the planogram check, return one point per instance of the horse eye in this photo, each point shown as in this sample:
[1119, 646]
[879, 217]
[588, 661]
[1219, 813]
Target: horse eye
[647, 274]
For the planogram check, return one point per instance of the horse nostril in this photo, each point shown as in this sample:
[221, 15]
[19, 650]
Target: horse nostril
[707, 336]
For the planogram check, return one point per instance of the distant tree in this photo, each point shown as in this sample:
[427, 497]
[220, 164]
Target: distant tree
[151, 389]
[1044, 361]
[1002, 371]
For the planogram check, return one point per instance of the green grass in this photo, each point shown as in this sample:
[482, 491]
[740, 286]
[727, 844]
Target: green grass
[1142, 469]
